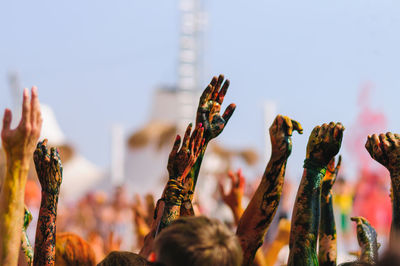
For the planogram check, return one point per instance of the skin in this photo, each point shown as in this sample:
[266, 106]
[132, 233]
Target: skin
[234, 197]
[367, 239]
[327, 250]
[49, 171]
[258, 215]
[385, 149]
[324, 143]
[26, 246]
[208, 114]
[18, 145]
[180, 162]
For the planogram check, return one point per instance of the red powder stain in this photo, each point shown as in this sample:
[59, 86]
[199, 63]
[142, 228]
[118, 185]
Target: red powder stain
[371, 193]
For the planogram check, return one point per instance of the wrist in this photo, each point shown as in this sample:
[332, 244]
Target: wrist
[314, 166]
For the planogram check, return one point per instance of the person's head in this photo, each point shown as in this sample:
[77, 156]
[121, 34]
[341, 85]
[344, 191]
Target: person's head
[197, 241]
[123, 258]
[71, 250]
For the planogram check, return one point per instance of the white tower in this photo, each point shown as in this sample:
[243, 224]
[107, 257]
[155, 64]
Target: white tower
[190, 59]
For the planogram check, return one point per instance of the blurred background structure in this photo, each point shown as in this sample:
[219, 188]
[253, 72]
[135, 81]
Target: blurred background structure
[118, 81]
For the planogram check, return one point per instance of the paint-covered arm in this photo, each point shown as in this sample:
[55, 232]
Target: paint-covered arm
[180, 162]
[49, 171]
[367, 239]
[323, 144]
[233, 198]
[385, 149]
[258, 215]
[26, 246]
[208, 114]
[18, 145]
[327, 251]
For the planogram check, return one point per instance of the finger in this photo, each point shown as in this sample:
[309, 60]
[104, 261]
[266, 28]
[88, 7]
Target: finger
[186, 138]
[242, 180]
[323, 132]
[26, 109]
[331, 165]
[45, 152]
[175, 148]
[297, 126]
[222, 93]
[228, 112]
[35, 109]
[338, 132]
[337, 168]
[288, 124]
[217, 87]
[7, 119]
[206, 94]
[315, 131]
[199, 141]
[356, 219]
[368, 144]
[391, 138]
[376, 146]
[385, 144]
[232, 177]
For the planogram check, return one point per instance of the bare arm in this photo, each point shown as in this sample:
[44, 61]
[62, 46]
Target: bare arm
[385, 149]
[367, 239]
[327, 251]
[208, 114]
[49, 171]
[18, 145]
[180, 163]
[323, 144]
[258, 215]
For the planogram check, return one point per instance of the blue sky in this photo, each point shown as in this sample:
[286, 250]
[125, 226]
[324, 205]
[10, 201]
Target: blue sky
[98, 62]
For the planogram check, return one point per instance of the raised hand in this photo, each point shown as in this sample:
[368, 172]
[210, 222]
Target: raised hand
[181, 160]
[234, 197]
[18, 145]
[257, 217]
[324, 143]
[280, 134]
[48, 167]
[208, 112]
[367, 239]
[385, 149]
[49, 171]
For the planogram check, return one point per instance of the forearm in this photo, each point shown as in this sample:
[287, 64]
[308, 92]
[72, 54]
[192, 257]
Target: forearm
[194, 172]
[258, 215]
[149, 238]
[46, 230]
[305, 218]
[12, 210]
[327, 233]
[369, 253]
[171, 213]
[395, 228]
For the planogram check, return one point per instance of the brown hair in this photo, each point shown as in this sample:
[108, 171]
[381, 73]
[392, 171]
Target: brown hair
[123, 258]
[72, 250]
[198, 241]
